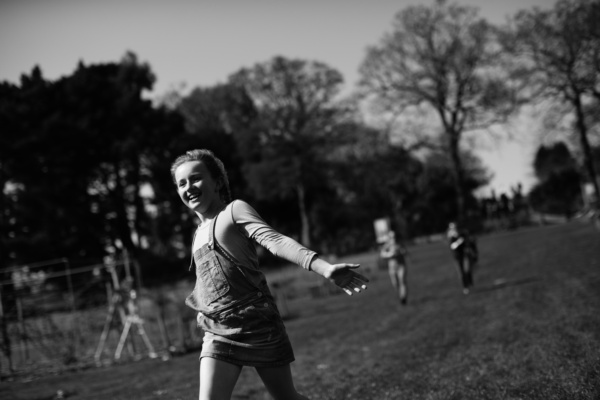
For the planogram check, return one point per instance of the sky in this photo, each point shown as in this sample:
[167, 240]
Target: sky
[190, 43]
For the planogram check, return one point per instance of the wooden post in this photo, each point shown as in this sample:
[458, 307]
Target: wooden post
[74, 324]
[126, 262]
[5, 338]
[22, 329]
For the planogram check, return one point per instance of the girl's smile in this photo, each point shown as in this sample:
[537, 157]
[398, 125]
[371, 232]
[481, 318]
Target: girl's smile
[193, 196]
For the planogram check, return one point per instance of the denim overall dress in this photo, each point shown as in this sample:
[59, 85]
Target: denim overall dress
[236, 310]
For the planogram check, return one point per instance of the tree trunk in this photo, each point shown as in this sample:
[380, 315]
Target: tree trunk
[4, 214]
[122, 228]
[305, 225]
[585, 146]
[453, 141]
[138, 204]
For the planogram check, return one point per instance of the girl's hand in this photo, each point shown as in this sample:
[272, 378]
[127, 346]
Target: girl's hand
[344, 276]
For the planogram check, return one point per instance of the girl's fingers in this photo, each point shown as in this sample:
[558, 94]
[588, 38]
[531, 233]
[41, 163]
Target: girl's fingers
[356, 281]
[359, 285]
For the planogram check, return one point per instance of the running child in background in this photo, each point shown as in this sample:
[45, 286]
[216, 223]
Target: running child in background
[241, 323]
[396, 253]
[464, 250]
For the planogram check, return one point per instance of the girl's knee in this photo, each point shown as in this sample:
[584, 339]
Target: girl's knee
[279, 383]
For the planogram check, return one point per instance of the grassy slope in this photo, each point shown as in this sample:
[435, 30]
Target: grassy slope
[530, 330]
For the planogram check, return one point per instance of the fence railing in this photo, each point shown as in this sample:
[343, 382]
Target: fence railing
[54, 316]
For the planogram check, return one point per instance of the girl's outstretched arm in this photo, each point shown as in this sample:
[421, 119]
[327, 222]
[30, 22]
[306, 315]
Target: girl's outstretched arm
[342, 275]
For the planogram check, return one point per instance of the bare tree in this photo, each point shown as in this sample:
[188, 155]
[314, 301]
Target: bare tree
[294, 100]
[445, 58]
[559, 54]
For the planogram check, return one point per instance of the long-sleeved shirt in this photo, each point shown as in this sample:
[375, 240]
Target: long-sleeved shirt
[237, 223]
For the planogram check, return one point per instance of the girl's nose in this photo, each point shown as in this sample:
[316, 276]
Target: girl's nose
[190, 189]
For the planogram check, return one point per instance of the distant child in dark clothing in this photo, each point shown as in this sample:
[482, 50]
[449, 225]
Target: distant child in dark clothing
[464, 250]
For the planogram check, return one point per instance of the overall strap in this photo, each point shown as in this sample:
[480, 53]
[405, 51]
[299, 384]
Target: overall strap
[192, 257]
[210, 243]
[211, 232]
[214, 244]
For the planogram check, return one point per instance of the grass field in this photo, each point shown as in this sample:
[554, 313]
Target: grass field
[529, 330]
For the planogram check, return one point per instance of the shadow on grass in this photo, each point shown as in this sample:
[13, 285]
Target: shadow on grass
[495, 285]
[420, 300]
[503, 283]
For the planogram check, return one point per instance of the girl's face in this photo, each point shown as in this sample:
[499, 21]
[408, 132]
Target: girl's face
[197, 188]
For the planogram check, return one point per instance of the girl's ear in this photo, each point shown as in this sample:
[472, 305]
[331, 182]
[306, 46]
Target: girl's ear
[219, 184]
[219, 189]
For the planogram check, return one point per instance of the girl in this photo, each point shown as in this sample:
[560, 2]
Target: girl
[396, 254]
[236, 310]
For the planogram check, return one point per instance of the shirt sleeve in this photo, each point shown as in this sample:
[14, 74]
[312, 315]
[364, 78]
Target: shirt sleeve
[248, 220]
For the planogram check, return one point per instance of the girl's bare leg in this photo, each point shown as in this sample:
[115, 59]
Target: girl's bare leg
[217, 379]
[403, 290]
[279, 383]
[394, 277]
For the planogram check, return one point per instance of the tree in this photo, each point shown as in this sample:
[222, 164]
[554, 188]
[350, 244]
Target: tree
[445, 58]
[434, 206]
[558, 190]
[370, 179]
[559, 53]
[375, 179]
[551, 159]
[291, 132]
[218, 118]
[45, 194]
[83, 153]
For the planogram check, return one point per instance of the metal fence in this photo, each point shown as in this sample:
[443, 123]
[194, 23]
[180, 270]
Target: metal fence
[56, 316]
